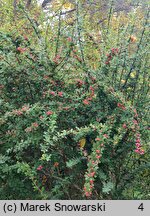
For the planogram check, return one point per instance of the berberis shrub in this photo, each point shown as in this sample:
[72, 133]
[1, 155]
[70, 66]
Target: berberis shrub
[71, 129]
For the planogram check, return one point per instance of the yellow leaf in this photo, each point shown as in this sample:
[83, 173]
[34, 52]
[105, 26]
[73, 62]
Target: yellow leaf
[115, 142]
[133, 74]
[122, 81]
[82, 142]
[68, 6]
[94, 96]
[69, 21]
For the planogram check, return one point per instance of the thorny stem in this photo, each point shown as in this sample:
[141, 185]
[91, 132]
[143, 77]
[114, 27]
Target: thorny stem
[138, 48]
[58, 35]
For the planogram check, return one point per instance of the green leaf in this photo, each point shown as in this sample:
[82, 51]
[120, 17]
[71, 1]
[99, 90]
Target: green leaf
[72, 162]
[107, 187]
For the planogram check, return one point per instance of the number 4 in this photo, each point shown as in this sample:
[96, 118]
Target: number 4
[141, 207]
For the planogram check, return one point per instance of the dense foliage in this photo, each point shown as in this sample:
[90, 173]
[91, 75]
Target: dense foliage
[74, 103]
